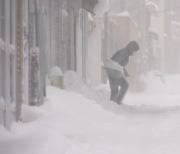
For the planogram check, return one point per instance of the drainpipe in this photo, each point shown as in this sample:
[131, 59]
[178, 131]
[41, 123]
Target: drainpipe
[19, 60]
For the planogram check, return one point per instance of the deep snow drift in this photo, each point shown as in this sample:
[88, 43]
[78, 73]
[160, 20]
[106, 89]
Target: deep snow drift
[81, 120]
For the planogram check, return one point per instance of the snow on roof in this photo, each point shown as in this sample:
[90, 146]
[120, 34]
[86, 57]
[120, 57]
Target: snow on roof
[125, 13]
[102, 7]
[152, 6]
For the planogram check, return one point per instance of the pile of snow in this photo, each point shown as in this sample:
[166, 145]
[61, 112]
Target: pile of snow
[160, 84]
[30, 113]
[73, 83]
[160, 94]
[102, 7]
[55, 71]
[161, 91]
[81, 120]
[72, 124]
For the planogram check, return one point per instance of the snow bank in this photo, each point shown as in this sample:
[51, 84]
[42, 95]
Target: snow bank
[73, 83]
[162, 91]
[82, 120]
[73, 124]
[30, 113]
[161, 84]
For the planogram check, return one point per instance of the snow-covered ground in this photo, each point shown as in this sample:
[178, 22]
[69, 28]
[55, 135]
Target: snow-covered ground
[81, 120]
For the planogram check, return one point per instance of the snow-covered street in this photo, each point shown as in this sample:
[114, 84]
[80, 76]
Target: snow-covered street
[89, 77]
[69, 123]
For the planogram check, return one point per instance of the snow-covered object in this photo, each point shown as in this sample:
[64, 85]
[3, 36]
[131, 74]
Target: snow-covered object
[113, 69]
[113, 65]
[102, 7]
[55, 71]
[56, 77]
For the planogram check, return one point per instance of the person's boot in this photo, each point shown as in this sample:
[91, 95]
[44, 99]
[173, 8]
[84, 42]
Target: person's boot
[114, 93]
[120, 98]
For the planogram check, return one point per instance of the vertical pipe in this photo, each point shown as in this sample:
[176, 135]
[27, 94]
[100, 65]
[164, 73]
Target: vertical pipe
[7, 65]
[19, 59]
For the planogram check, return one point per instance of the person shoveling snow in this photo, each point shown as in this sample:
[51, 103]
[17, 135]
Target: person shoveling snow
[116, 72]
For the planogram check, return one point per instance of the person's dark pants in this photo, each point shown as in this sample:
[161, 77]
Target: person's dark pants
[119, 88]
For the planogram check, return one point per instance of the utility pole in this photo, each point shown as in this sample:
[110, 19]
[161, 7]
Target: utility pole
[33, 56]
[19, 60]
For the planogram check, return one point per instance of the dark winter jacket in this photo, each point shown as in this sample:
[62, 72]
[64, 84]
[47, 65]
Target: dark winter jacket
[121, 57]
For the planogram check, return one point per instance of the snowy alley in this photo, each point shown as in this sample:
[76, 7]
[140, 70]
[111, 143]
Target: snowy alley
[89, 76]
[79, 123]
